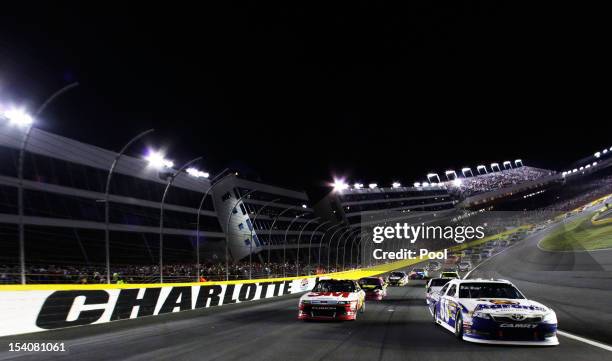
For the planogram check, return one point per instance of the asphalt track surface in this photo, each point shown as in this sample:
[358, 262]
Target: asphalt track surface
[397, 328]
[576, 286]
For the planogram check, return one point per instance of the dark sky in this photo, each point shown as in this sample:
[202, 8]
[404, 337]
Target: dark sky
[371, 91]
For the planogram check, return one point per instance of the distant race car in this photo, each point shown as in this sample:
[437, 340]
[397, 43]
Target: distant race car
[398, 278]
[417, 274]
[434, 266]
[451, 274]
[433, 286]
[375, 288]
[494, 312]
[332, 300]
[464, 266]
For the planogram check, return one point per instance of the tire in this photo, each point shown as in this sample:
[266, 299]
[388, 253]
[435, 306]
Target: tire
[459, 325]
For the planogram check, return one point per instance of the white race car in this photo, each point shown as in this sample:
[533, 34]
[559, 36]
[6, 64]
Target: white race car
[398, 278]
[433, 287]
[332, 300]
[493, 311]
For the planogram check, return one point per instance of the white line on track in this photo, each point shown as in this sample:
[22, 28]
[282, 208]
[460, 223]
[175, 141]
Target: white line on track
[585, 340]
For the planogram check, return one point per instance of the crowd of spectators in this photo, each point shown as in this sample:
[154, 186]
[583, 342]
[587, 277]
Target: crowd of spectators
[470, 186]
[121, 274]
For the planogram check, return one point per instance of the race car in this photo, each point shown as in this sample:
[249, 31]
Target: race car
[494, 312]
[417, 274]
[464, 266]
[449, 274]
[332, 300]
[375, 288]
[433, 286]
[398, 278]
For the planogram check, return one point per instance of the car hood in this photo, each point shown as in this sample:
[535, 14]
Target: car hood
[503, 305]
[329, 297]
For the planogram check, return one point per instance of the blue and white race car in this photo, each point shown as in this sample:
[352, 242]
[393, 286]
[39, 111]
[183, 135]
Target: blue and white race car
[494, 312]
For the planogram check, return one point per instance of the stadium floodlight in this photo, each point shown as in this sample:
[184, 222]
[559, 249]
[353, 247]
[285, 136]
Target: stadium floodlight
[563, 174]
[304, 206]
[425, 184]
[517, 162]
[481, 167]
[372, 185]
[157, 160]
[416, 184]
[594, 164]
[493, 165]
[610, 149]
[581, 168]
[457, 182]
[358, 185]
[18, 117]
[431, 175]
[465, 170]
[339, 185]
[574, 170]
[194, 172]
[604, 151]
[587, 166]
[450, 172]
[396, 185]
[507, 164]
[597, 154]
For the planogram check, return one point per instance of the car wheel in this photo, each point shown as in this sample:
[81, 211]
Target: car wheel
[459, 325]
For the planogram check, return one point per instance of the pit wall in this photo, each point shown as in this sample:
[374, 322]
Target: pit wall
[35, 308]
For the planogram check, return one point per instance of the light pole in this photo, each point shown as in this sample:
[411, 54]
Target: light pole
[227, 232]
[362, 236]
[297, 257]
[272, 227]
[106, 196]
[310, 241]
[252, 228]
[322, 238]
[345, 230]
[198, 218]
[285, 242]
[161, 216]
[28, 122]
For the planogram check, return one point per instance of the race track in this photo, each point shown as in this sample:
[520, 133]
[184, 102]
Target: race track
[398, 328]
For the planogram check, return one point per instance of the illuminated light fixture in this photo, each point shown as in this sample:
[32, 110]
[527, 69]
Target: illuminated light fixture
[431, 175]
[574, 170]
[416, 184]
[581, 168]
[597, 154]
[465, 170]
[358, 185]
[457, 182]
[396, 185]
[481, 167]
[517, 162]
[18, 117]
[157, 160]
[340, 185]
[450, 172]
[304, 206]
[372, 185]
[604, 151]
[594, 164]
[425, 184]
[587, 166]
[197, 173]
[508, 164]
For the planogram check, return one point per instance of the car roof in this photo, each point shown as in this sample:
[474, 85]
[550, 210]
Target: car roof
[480, 280]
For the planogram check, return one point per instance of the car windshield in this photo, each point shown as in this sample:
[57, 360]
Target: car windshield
[397, 274]
[489, 290]
[334, 286]
[449, 274]
[370, 281]
[439, 282]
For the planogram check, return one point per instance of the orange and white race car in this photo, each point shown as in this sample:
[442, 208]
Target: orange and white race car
[332, 300]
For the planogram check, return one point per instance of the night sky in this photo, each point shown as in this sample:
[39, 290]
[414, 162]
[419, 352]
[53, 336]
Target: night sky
[294, 96]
